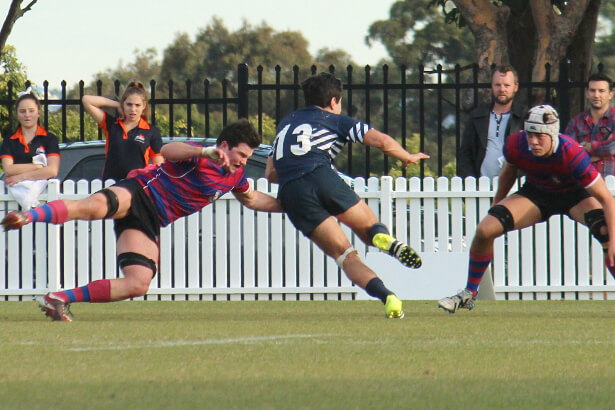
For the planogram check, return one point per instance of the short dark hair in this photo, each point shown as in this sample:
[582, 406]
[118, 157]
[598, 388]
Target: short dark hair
[238, 132]
[600, 77]
[503, 69]
[319, 89]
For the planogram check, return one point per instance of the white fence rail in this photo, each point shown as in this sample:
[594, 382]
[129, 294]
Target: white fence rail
[229, 252]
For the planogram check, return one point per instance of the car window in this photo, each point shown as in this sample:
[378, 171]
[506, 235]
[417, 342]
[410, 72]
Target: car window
[86, 160]
[87, 168]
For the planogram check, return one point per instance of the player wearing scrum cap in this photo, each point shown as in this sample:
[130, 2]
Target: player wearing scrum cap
[560, 179]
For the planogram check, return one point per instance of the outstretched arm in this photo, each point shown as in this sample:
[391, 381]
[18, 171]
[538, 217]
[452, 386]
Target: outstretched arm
[392, 148]
[180, 151]
[258, 201]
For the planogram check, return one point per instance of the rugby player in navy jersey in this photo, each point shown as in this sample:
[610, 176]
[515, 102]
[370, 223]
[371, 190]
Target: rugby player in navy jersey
[148, 199]
[316, 198]
[130, 141]
[560, 179]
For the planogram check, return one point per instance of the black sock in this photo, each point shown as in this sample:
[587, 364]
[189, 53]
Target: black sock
[376, 288]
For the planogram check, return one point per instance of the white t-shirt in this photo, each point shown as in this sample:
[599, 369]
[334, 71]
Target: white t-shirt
[494, 159]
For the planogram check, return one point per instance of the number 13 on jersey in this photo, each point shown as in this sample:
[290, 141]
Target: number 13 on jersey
[301, 144]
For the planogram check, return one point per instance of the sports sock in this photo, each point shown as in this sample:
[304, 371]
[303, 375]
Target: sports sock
[376, 289]
[100, 291]
[97, 291]
[54, 212]
[378, 228]
[477, 266]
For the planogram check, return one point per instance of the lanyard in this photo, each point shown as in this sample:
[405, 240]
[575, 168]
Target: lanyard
[498, 122]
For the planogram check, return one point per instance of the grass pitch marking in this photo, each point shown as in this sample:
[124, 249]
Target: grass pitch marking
[278, 339]
[175, 343]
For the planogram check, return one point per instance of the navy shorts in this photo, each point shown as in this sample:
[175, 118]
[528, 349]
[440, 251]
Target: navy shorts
[552, 203]
[142, 215]
[315, 196]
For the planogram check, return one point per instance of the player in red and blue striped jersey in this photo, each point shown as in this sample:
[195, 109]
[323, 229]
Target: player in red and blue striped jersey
[191, 178]
[560, 179]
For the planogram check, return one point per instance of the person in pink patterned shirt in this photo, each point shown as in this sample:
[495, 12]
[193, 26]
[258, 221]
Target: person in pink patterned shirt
[594, 127]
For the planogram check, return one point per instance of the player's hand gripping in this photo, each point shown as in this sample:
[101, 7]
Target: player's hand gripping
[217, 155]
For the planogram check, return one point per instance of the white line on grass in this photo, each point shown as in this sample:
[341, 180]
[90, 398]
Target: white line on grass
[175, 343]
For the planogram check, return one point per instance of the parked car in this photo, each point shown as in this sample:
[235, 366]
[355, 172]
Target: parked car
[85, 160]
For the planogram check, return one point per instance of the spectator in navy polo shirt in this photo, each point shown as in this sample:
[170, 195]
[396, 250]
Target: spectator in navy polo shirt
[131, 141]
[31, 155]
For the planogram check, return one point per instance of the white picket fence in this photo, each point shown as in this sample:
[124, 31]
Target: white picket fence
[228, 252]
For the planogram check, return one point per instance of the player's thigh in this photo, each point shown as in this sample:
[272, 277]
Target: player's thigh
[133, 240]
[358, 217]
[578, 211]
[98, 203]
[523, 211]
[329, 237]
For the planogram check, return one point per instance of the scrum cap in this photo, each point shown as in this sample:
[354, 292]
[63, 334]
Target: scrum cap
[543, 119]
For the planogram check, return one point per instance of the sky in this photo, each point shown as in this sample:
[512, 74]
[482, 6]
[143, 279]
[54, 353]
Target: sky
[72, 40]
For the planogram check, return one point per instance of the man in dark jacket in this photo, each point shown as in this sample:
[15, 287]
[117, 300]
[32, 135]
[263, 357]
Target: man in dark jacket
[482, 140]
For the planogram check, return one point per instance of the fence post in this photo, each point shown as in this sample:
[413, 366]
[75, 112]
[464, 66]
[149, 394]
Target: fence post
[242, 90]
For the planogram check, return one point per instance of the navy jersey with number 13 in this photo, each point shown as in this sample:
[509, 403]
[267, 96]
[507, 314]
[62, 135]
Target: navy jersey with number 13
[312, 137]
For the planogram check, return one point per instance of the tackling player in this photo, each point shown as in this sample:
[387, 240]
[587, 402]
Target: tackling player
[150, 198]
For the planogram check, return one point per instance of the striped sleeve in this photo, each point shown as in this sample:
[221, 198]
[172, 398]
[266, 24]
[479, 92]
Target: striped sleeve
[352, 130]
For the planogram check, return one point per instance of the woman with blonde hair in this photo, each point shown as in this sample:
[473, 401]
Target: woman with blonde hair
[131, 142]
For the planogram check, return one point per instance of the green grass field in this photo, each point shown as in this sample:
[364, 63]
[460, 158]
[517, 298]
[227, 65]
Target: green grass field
[309, 355]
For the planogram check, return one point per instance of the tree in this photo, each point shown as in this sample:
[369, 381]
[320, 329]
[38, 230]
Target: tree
[416, 32]
[15, 12]
[216, 52]
[524, 32]
[212, 59]
[13, 73]
[144, 68]
[605, 40]
[527, 34]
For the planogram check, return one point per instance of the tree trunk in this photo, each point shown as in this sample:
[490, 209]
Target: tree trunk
[554, 34]
[15, 12]
[580, 53]
[485, 21]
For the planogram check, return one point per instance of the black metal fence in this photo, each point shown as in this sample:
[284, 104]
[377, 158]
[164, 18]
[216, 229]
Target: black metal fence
[423, 109]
